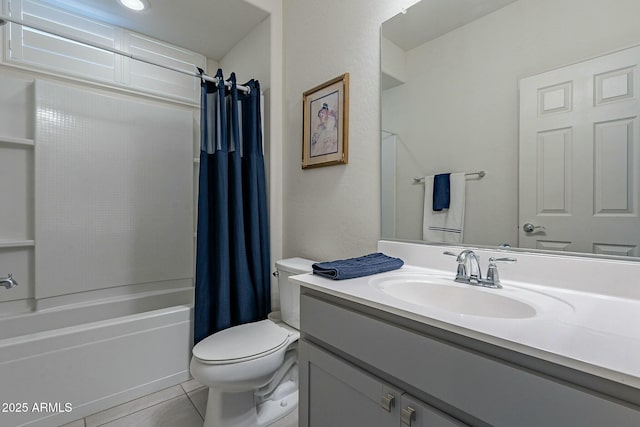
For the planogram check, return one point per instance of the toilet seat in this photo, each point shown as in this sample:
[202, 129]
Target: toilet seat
[242, 343]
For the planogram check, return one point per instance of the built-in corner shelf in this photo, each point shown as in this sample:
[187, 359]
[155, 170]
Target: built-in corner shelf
[196, 161]
[16, 243]
[16, 141]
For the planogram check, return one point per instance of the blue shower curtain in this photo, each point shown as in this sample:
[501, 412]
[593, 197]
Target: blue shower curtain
[232, 255]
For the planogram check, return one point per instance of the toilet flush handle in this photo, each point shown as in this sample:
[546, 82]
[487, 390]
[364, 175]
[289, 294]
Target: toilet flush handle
[276, 273]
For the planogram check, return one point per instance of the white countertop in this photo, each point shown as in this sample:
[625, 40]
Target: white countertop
[598, 334]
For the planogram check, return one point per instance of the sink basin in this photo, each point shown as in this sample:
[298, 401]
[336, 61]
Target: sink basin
[442, 293]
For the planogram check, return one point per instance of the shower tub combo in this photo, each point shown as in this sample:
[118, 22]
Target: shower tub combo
[100, 239]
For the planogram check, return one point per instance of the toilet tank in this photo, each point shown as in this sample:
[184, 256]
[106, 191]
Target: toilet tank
[290, 292]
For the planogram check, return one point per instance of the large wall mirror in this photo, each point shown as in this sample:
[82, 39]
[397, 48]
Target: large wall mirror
[541, 95]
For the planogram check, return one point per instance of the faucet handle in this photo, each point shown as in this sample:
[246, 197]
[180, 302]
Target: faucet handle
[494, 260]
[461, 273]
[493, 278]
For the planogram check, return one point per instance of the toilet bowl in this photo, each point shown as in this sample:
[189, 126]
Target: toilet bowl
[251, 370]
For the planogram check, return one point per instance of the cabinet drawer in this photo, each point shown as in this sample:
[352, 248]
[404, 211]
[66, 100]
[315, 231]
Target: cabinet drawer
[483, 387]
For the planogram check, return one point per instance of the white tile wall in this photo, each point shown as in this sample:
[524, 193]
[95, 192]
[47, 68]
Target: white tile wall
[114, 190]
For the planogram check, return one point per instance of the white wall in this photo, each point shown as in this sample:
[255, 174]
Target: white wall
[250, 58]
[459, 109]
[274, 130]
[103, 190]
[212, 66]
[393, 64]
[334, 212]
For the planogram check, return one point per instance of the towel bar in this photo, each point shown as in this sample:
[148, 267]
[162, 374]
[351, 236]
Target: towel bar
[480, 174]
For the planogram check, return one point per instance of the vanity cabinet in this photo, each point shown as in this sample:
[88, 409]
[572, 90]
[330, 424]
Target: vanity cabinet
[354, 358]
[346, 396]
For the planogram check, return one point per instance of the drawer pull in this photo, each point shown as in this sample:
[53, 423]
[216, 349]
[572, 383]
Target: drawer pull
[408, 415]
[387, 402]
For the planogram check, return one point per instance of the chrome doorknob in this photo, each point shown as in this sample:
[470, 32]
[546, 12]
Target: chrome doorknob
[530, 228]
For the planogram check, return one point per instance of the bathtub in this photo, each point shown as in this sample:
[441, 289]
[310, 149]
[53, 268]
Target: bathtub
[62, 364]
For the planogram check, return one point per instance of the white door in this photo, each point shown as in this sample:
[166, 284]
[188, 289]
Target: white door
[579, 157]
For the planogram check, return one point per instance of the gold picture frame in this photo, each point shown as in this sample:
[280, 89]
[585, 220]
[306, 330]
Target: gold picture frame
[325, 111]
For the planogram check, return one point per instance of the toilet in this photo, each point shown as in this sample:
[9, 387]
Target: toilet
[252, 369]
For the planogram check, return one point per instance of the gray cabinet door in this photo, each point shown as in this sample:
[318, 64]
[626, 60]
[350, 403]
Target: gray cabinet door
[342, 395]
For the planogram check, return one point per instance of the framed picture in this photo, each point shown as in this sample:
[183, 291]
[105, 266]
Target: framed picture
[326, 122]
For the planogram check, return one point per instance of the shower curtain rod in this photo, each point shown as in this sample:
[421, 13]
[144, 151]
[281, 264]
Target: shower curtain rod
[4, 19]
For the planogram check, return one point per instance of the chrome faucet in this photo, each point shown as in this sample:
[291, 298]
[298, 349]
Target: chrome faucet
[469, 269]
[8, 282]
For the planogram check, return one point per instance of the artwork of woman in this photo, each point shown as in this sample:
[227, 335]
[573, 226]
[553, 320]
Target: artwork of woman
[324, 125]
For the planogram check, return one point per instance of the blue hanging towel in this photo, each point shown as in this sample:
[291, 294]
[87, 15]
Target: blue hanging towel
[357, 267]
[441, 191]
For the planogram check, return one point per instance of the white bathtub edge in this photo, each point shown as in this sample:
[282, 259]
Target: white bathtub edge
[95, 366]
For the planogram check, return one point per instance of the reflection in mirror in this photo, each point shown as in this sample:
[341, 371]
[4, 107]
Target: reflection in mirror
[540, 94]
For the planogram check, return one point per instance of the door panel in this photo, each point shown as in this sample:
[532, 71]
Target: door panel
[579, 157]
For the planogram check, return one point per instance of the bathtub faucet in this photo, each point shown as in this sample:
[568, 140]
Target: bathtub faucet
[8, 282]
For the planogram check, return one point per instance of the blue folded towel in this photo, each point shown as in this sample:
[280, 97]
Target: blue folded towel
[357, 267]
[441, 192]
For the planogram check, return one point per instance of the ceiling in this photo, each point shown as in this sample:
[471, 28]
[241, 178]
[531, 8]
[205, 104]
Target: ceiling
[209, 27]
[430, 19]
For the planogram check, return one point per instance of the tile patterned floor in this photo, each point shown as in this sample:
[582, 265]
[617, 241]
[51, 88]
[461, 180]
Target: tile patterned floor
[178, 406]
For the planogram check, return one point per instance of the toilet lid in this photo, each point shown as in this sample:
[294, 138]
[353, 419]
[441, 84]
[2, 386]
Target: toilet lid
[241, 343]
